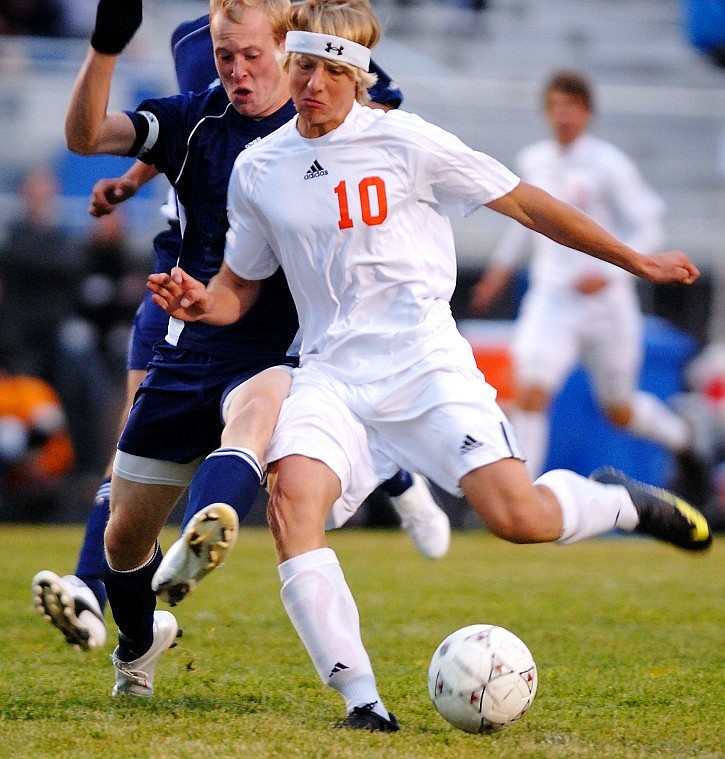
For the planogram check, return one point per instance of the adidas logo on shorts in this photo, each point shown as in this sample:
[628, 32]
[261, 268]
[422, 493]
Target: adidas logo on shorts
[315, 170]
[469, 444]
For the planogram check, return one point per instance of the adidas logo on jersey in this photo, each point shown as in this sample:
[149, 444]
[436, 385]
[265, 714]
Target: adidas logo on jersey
[469, 444]
[315, 170]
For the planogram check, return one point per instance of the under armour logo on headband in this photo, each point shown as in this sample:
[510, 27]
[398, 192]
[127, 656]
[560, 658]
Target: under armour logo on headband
[330, 46]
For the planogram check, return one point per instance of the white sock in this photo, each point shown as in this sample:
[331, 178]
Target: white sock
[655, 420]
[320, 605]
[532, 431]
[589, 508]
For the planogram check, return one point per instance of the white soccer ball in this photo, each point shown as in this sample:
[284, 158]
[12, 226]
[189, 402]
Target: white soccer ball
[482, 678]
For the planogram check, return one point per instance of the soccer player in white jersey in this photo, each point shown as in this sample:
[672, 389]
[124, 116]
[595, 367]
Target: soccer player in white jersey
[587, 308]
[352, 204]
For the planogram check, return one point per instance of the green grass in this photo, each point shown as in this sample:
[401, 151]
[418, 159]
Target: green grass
[628, 636]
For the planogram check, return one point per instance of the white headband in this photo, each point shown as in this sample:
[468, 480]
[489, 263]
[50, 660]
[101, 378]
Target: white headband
[328, 46]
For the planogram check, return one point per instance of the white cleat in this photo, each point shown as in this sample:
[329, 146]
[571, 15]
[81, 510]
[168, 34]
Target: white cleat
[424, 520]
[69, 604]
[203, 547]
[136, 678]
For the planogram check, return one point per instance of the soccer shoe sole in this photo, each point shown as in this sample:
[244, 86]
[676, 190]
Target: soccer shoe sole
[56, 605]
[663, 514]
[202, 548]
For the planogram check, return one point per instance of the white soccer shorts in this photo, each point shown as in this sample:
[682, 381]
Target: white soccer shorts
[442, 423]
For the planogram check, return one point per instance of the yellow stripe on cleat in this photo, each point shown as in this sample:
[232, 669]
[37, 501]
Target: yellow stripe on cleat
[700, 528]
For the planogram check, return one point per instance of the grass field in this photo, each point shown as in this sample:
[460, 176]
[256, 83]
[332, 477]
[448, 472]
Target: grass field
[628, 636]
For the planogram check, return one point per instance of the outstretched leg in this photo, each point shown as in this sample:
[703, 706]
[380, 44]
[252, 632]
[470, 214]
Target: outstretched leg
[566, 507]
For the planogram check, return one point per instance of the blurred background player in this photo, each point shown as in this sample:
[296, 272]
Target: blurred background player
[578, 308]
[75, 603]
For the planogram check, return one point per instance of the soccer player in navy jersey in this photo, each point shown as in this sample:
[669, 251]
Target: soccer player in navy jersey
[75, 603]
[193, 138]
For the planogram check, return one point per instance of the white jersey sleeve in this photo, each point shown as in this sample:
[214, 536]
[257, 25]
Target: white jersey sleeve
[457, 176]
[247, 251]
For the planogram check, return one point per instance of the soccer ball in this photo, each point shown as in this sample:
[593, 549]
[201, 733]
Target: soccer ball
[482, 678]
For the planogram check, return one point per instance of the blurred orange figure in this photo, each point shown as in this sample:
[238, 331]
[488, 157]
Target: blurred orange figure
[35, 446]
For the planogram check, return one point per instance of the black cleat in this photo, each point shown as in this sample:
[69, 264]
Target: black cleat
[662, 514]
[364, 718]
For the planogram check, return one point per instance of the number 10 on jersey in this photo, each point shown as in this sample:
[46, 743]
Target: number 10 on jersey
[373, 202]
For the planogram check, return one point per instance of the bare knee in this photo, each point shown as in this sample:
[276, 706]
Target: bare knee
[301, 493]
[126, 548]
[251, 424]
[138, 512]
[514, 524]
[253, 410]
[295, 528]
[508, 504]
[279, 511]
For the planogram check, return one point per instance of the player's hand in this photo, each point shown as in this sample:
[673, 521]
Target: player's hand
[108, 193]
[672, 267]
[179, 294]
[116, 23]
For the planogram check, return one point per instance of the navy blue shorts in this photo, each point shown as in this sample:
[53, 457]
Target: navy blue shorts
[176, 415]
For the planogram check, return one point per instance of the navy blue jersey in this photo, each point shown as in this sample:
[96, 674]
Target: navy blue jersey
[150, 324]
[167, 246]
[200, 136]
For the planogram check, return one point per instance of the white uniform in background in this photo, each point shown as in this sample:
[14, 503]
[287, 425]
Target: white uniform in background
[558, 327]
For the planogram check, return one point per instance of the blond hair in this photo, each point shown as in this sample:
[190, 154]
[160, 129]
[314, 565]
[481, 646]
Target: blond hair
[277, 11]
[350, 19]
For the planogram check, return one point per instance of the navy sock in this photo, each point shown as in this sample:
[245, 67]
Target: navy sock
[91, 566]
[398, 483]
[227, 475]
[132, 604]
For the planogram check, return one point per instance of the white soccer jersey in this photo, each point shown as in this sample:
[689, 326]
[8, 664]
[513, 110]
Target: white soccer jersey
[598, 179]
[357, 220]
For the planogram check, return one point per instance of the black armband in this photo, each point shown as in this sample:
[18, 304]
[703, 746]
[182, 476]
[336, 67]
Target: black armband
[147, 132]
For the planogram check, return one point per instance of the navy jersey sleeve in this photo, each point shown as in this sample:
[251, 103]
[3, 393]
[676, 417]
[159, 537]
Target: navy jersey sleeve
[173, 115]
